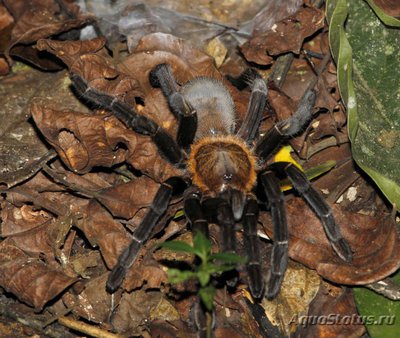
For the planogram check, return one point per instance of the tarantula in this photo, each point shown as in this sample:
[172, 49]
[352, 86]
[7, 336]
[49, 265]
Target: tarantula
[222, 167]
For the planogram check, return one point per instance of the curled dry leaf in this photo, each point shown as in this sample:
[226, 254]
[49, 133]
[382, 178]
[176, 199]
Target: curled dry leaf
[93, 303]
[126, 199]
[41, 19]
[28, 277]
[138, 307]
[308, 244]
[147, 274]
[285, 36]
[102, 230]
[299, 288]
[332, 313]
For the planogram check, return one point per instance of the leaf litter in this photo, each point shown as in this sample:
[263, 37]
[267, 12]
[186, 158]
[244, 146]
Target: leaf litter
[66, 219]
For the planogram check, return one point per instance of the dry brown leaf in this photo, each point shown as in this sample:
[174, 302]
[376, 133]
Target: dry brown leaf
[126, 199]
[137, 307]
[308, 244]
[28, 277]
[331, 314]
[93, 303]
[102, 230]
[285, 36]
[40, 19]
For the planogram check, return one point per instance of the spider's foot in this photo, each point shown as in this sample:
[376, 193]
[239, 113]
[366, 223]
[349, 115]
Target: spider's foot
[115, 279]
[256, 282]
[274, 285]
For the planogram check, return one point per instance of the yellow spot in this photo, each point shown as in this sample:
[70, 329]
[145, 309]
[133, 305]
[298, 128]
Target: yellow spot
[283, 155]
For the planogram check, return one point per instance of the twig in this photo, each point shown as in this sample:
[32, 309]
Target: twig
[91, 330]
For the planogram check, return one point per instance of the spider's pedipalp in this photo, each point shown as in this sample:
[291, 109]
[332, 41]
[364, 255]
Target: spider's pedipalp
[321, 208]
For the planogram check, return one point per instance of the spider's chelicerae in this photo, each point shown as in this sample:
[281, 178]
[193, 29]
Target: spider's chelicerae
[222, 165]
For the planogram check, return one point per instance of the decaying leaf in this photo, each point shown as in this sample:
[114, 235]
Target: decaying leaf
[285, 36]
[41, 19]
[31, 279]
[135, 310]
[308, 244]
[299, 288]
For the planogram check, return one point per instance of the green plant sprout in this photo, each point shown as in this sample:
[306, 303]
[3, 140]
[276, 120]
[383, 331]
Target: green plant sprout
[208, 266]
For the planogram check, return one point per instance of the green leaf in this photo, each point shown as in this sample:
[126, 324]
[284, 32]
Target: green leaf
[213, 268]
[203, 276]
[201, 245]
[177, 276]
[379, 313]
[178, 246]
[227, 257]
[367, 52]
[207, 296]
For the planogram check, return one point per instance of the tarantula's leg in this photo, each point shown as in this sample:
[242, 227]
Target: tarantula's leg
[226, 221]
[250, 217]
[161, 76]
[256, 106]
[142, 232]
[194, 212]
[271, 141]
[320, 207]
[128, 115]
[279, 258]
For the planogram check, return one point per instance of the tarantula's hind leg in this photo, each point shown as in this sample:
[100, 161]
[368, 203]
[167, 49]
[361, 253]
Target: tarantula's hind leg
[250, 217]
[142, 232]
[279, 257]
[161, 76]
[321, 208]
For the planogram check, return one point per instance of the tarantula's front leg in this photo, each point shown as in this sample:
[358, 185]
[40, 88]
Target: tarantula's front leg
[320, 207]
[272, 140]
[194, 212]
[142, 232]
[279, 257]
[161, 76]
[128, 115]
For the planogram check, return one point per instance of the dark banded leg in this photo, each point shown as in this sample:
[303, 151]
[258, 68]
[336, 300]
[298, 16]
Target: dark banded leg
[255, 108]
[272, 140]
[194, 212]
[226, 222]
[128, 115]
[321, 208]
[279, 258]
[250, 216]
[161, 76]
[142, 232]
